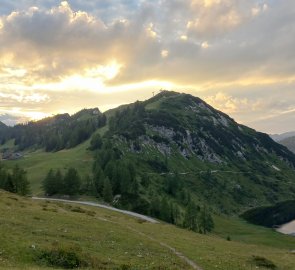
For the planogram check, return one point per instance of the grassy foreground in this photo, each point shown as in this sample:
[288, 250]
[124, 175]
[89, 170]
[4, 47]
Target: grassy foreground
[108, 240]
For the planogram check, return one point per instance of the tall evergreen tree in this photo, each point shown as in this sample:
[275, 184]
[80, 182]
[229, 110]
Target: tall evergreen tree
[20, 180]
[165, 210]
[72, 182]
[98, 180]
[48, 183]
[191, 217]
[206, 223]
[107, 190]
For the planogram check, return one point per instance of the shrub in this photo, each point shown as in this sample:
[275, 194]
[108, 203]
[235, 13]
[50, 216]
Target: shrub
[68, 257]
[263, 262]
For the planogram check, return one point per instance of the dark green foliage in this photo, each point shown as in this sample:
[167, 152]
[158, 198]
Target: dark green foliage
[270, 216]
[98, 180]
[56, 183]
[107, 190]
[191, 217]
[72, 182]
[165, 213]
[15, 181]
[67, 257]
[96, 142]
[156, 207]
[263, 262]
[157, 165]
[172, 184]
[198, 219]
[206, 223]
[53, 183]
[57, 132]
[127, 122]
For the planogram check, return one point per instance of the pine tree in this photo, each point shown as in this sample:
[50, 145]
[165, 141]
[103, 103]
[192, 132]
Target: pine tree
[206, 223]
[21, 183]
[191, 217]
[47, 183]
[165, 210]
[3, 177]
[98, 180]
[96, 142]
[107, 190]
[72, 182]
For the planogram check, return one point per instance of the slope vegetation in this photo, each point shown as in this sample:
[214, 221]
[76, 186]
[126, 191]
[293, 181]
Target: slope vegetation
[33, 234]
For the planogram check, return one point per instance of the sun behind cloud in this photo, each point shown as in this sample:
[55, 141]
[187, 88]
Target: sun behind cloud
[63, 49]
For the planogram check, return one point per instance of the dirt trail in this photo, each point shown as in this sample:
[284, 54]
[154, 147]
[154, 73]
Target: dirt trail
[143, 217]
[191, 263]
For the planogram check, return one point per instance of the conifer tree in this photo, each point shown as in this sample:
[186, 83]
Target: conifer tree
[107, 190]
[191, 217]
[206, 223]
[72, 182]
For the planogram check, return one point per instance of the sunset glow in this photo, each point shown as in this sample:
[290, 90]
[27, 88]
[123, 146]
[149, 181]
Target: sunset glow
[64, 56]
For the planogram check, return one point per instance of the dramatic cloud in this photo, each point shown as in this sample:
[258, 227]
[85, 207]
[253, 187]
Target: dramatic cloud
[93, 51]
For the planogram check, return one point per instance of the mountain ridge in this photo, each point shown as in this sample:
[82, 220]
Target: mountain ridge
[174, 147]
[289, 143]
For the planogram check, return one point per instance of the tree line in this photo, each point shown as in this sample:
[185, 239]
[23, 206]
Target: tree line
[55, 133]
[14, 181]
[117, 180]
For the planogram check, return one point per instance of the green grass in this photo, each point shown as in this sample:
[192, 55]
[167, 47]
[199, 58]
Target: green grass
[242, 231]
[112, 239]
[38, 163]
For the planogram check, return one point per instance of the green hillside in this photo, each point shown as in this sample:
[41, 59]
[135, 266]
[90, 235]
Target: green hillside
[216, 160]
[37, 163]
[33, 232]
[168, 151]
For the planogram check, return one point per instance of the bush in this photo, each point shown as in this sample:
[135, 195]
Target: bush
[68, 257]
[263, 262]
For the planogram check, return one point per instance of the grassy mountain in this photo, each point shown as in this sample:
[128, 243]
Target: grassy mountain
[215, 160]
[180, 150]
[55, 133]
[47, 235]
[289, 143]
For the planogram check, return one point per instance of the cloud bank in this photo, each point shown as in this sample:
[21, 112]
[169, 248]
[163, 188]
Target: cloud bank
[63, 56]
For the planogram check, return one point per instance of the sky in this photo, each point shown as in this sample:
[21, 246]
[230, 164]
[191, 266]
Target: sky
[63, 56]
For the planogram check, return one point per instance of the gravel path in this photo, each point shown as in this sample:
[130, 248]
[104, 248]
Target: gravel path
[143, 217]
[191, 263]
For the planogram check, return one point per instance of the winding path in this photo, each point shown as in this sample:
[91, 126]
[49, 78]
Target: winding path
[191, 263]
[143, 217]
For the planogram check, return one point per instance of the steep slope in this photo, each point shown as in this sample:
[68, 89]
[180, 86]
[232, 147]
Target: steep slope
[196, 129]
[214, 159]
[289, 143]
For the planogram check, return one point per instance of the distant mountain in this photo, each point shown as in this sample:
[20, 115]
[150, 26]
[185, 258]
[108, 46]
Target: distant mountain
[280, 137]
[2, 125]
[289, 143]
